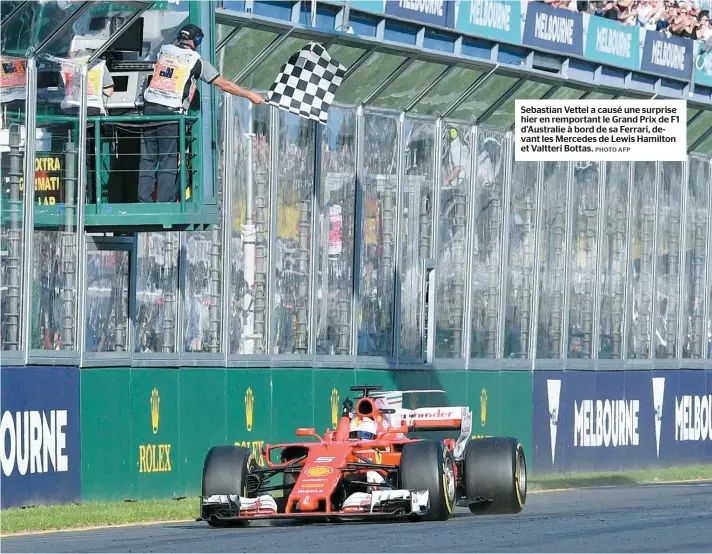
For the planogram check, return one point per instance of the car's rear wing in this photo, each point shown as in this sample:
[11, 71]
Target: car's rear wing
[440, 418]
[394, 398]
[451, 418]
[435, 419]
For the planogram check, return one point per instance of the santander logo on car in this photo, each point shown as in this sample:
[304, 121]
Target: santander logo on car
[434, 413]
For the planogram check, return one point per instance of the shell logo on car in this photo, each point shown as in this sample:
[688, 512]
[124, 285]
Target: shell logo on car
[318, 471]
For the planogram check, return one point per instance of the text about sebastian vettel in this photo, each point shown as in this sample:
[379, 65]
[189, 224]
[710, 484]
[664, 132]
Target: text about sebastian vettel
[600, 130]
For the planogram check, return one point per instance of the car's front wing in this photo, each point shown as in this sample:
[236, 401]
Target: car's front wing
[379, 503]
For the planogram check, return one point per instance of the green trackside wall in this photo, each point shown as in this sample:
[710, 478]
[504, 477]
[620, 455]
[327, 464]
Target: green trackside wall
[145, 432]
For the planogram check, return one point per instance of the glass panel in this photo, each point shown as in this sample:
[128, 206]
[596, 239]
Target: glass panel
[481, 100]
[156, 292]
[488, 217]
[567, 93]
[705, 147]
[12, 164]
[668, 260]
[695, 277]
[107, 301]
[203, 285]
[521, 259]
[699, 127]
[613, 262]
[93, 28]
[222, 31]
[504, 116]
[295, 199]
[7, 7]
[691, 113]
[201, 294]
[250, 230]
[416, 230]
[447, 91]
[241, 49]
[583, 261]
[552, 260]
[599, 96]
[161, 27]
[263, 76]
[409, 84]
[640, 270]
[336, 233]
[36, 23]
[379, 187]
[345, 55]
[55, 248]
[452, 233]
[370, 74]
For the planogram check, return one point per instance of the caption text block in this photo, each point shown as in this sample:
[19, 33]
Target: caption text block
[600, 130]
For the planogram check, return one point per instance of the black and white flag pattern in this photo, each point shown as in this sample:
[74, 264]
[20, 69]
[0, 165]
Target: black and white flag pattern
[307, 83]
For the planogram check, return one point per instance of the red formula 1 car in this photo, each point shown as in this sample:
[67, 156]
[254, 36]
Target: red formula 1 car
[345, 476]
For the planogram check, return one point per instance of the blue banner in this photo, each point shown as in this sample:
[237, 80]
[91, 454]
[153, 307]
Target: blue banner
[495, 19]
[554, 29]
[611, 43]
[430, 12]
[667, 56]
[703, 76]
[620, 420]
[41, 433]
[692, 410]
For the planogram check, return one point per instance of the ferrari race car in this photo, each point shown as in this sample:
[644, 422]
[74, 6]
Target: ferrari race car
[350, 474]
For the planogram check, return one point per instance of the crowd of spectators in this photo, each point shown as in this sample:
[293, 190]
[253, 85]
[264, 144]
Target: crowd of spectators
[681, 18]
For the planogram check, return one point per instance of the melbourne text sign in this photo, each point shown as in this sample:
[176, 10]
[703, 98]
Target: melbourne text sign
[40, 429]
[616, 420]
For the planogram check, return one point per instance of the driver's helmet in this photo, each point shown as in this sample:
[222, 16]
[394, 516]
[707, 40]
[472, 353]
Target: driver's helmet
[363, 428]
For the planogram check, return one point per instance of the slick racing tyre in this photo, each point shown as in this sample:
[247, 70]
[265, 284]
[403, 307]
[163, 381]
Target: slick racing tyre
[495, 476]
[428, 465]
[225, 471]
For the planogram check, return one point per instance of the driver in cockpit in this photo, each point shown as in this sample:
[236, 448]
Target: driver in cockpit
[360, 427]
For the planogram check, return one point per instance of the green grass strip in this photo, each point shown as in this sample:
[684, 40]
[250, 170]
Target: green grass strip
[93, 514]
[578, 480]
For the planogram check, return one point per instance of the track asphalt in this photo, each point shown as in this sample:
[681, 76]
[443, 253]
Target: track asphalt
[646, 518]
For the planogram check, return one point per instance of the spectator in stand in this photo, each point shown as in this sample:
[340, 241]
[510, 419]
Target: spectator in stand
[627, 13]
[669, 13]
[609, 10]
[704, 25]
[649, 13]
[683, 24]
[672, 17]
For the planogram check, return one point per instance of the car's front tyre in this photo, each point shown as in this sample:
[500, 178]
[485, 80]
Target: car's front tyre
[225, 472]
[429, 465]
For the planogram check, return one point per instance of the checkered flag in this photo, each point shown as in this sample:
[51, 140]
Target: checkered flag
[307, 83]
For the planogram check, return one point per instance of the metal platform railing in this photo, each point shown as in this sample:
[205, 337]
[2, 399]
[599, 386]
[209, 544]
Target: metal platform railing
[116, 153]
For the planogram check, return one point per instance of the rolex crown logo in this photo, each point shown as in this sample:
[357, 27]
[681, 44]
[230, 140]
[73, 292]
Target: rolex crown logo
[249, 407]
[155, 410]
[334, 408]
[483, 407]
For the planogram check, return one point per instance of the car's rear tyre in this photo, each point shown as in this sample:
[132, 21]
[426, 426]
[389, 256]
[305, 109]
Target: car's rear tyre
[225, 472]
[428, 465]
[495, 476]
